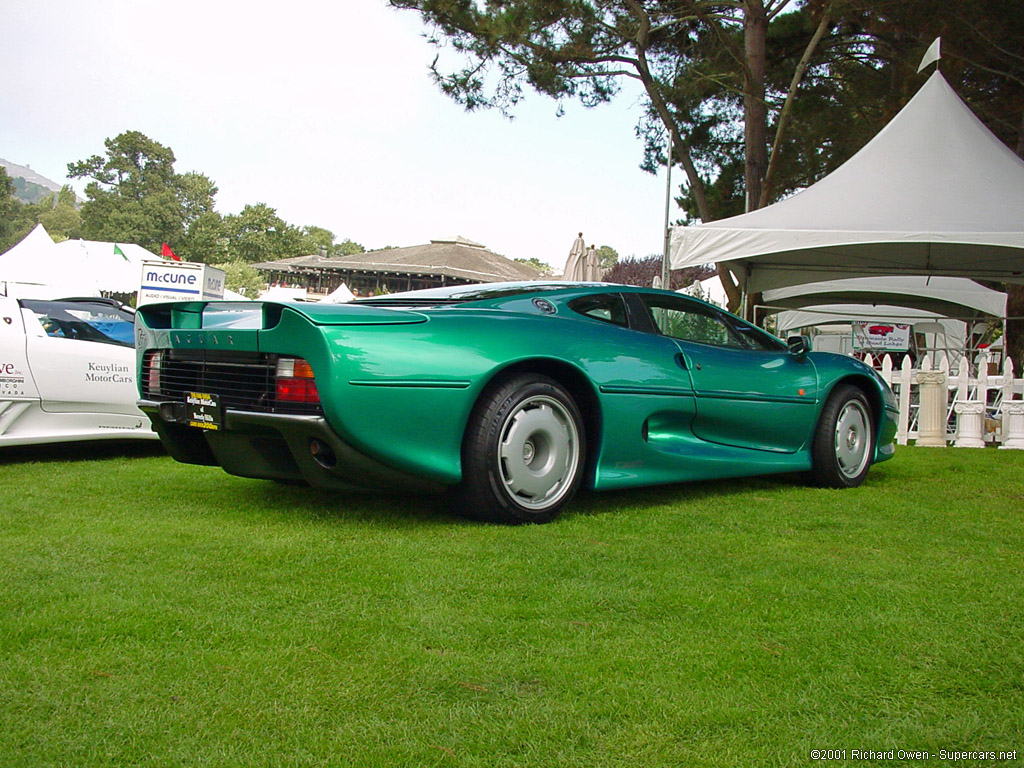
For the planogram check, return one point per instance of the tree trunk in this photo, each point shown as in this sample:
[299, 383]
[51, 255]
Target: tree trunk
[733, 294]
[755, 110]
[824, 24]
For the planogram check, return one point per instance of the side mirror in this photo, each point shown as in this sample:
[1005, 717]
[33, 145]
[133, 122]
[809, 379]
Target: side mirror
[799, 345]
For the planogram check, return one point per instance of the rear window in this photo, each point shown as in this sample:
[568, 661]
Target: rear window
[607, 307]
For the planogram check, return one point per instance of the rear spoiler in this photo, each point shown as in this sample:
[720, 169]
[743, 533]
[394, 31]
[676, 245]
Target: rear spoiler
[263, 315]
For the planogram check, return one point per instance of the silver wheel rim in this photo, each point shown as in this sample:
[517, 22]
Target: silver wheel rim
[538, 453]
[853, 439]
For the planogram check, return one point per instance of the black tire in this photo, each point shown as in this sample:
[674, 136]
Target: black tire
[844, 440]
[523, 453]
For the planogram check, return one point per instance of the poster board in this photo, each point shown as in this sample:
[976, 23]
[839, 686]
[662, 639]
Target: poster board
[882, 336]
[179, 281]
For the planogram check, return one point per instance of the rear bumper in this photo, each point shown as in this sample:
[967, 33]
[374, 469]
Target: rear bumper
[277, 447]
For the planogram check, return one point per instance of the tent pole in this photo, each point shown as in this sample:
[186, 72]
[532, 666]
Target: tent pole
[745, 309]
[665, 277]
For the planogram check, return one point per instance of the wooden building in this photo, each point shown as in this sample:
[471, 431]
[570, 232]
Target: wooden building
[455, 261]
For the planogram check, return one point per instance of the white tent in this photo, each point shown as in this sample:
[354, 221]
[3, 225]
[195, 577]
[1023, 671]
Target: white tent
[339, 295]
[948, 296]
[709, 289]
[934, 193]
[832, 331]
[115, 271]
[278, 293]
[36, 268]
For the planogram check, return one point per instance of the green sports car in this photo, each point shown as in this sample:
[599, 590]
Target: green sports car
[509, 397]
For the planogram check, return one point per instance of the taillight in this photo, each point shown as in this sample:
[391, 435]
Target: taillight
[153, 358]
[295, 382]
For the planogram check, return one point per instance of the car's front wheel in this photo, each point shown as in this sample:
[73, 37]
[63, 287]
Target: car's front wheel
[844, 440]
[523, 453]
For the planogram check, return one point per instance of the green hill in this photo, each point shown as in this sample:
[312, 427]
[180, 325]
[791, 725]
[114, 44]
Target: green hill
[29, 186]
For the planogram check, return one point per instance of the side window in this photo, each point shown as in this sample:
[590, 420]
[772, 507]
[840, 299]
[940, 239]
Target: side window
[755, 338]
[607, 307]
[84, 321]
[688, 321]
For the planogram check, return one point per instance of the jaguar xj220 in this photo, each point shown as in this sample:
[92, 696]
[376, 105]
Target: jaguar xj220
[509, 397]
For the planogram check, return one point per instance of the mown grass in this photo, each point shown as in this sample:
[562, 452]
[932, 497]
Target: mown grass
[158, 614]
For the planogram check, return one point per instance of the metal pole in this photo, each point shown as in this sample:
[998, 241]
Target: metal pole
[665, 279]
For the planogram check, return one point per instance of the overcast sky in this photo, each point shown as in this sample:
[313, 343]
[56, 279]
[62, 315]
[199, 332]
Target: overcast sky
[324, 110]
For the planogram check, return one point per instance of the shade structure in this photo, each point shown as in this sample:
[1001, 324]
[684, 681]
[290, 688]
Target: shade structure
[946, 296]
[339, 295]
[934, 193]
[36, 268]
[116, 267]
[837, 314]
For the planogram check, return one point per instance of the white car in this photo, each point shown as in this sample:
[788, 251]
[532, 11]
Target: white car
[67, 372]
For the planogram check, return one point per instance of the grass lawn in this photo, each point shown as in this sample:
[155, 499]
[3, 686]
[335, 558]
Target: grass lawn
[158, 614]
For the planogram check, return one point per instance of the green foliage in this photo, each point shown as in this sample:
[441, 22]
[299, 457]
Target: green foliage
[315, 240]
[134, 194]
[608, 256]
[720, 74]
[258, 234]
[347, 248]
[134, 167]
[717, 624]
[543, 267]
[59, 214]
[30, 192]
[243, 278]
[204, 241]
[15, 222]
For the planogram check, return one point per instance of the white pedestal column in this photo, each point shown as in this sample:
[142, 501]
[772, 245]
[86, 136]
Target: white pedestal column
[1013, 424]
[970, 424]
[931, 417]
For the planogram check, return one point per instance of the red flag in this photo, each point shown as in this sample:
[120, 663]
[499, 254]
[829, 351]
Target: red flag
[167, 253]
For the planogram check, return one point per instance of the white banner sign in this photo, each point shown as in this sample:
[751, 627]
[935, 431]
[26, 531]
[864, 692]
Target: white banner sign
[890, 337]
[179, 281]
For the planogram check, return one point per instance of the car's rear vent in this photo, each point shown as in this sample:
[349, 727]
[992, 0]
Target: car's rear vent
[242, 381]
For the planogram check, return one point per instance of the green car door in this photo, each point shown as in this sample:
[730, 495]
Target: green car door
[750, 391]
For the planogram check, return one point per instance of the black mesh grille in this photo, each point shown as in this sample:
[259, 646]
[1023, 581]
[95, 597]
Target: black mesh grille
[243, 382]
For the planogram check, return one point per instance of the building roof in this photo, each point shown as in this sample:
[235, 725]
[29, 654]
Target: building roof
[454, 257]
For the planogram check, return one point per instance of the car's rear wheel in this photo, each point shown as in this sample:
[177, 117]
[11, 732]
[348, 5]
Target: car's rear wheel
[844, 440]
[523, 454]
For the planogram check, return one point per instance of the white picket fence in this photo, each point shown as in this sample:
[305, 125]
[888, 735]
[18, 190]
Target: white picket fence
[978, 408]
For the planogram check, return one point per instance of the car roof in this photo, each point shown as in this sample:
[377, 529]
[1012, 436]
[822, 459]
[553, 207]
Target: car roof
[458, 294]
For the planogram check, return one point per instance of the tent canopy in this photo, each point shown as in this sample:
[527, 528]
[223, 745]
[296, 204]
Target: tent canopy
[36, 268]
[113, 272]
[947, 296]
[934, 193]
[837, 314]
[944, 337]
